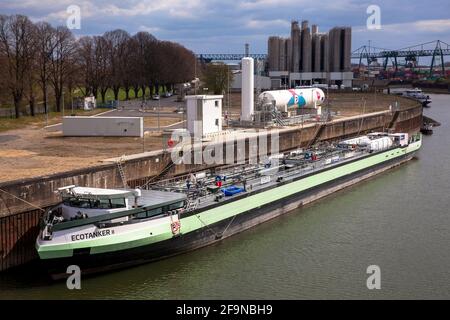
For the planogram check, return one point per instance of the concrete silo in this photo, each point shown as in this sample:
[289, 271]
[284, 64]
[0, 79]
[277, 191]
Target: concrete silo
[296, 46]
[306, 48]
[274, 53]
[347, 49]
[283, 55]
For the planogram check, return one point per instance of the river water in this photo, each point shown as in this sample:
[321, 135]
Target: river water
[399, 221]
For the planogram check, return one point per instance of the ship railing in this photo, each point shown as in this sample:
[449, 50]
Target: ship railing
[319, 165]
[180, 180]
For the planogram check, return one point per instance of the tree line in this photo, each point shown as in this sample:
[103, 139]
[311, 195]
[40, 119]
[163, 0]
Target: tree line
[37, 59]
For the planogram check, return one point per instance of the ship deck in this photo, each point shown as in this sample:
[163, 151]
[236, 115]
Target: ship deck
[256, 177]
[151, 198]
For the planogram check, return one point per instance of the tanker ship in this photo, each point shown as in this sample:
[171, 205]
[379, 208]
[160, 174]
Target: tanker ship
[105, 229]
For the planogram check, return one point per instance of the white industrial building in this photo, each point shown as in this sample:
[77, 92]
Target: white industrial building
[103, 127]
[261, 82]
[204, 114]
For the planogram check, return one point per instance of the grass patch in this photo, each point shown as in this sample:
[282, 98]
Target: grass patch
[7, 124]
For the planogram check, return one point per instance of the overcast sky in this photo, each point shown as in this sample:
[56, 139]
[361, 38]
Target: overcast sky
[223, 26]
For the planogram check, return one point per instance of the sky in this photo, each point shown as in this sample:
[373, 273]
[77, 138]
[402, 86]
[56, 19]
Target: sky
[224, 26]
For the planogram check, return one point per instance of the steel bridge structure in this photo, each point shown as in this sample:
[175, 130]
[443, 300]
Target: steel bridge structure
[408, 56]
[208, 57]
[437, 50]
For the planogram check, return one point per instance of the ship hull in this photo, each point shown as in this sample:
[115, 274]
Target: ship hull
[210, 233]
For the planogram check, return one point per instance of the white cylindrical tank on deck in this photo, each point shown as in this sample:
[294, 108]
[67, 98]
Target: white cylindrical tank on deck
[294, 98]
[248, 87]
[363, 140]
[381, 144]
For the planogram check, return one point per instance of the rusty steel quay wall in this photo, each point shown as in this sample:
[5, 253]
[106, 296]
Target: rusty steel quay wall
[19, 222]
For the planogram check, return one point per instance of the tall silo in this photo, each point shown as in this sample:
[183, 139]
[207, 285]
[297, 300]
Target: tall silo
[335, 50]
[296, 46]
[306, 47]
[324, 53]
[282, 52]
[316, 49]
[274, 53]
[347, 49]
[288, 54]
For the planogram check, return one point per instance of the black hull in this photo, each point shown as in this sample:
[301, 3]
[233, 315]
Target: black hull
[90, 264]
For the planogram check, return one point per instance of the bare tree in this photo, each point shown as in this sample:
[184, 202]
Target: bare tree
[102, 50]
[45, 46]
[217, 77]
[32, 75]
[176, 64]
[117, 44]
[62, 62]
[87, 64]
[40, 53]
[15, 44]
[142, 45]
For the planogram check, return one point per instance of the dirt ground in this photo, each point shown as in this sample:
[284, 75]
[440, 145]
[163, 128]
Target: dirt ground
[32, 151]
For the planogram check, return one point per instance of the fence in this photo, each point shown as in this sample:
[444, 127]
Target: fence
[18, 233]
[24, 111]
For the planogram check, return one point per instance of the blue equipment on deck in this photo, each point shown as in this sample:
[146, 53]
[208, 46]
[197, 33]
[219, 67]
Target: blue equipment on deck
[231, 191]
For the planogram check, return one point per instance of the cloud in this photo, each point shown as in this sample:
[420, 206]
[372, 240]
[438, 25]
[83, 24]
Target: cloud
[433, 26]
[420, 26]
[149, 29]
[175, 8]
[262, 24]
[225, 25]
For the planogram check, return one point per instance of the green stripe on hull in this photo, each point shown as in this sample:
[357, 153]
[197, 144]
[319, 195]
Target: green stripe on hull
[142, 237]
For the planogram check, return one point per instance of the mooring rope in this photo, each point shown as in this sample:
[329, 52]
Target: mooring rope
[29, 203]
[218, 236]
[208, 227]
[228, 225]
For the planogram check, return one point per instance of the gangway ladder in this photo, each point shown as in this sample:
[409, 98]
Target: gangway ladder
[122, 172]
[191, 205]
[159, 176]
[394, 120]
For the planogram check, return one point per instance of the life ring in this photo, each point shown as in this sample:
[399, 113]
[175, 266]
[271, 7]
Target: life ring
[175, 226]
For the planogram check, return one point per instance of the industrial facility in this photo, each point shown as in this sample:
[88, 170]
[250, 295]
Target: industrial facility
[308, 57]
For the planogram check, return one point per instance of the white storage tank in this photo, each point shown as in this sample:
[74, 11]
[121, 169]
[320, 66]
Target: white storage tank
[364, 140]
[248, 87]
[294, 98]
[380, 144]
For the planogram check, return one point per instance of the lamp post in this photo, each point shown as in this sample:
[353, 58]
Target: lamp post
[159, 106]
[46, 109]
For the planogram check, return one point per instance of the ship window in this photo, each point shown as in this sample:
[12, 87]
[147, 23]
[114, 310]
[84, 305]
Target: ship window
[177, 205]
[154, 212]
[118, 203]
[101, 204]
[141, 215]
[77, 203]
[148, 213]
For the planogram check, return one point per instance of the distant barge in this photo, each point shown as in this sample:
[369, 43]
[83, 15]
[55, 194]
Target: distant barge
[418, 95]
[103, 229]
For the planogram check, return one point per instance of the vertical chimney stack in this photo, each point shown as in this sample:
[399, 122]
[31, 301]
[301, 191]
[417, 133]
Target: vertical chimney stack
[248, 89]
